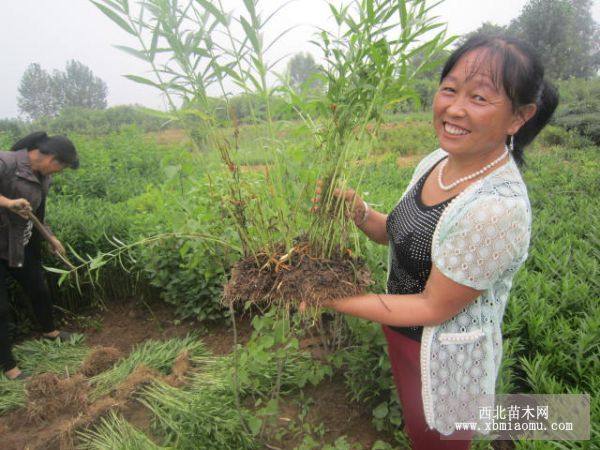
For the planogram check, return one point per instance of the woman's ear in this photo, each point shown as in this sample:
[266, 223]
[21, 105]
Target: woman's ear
[523, 114]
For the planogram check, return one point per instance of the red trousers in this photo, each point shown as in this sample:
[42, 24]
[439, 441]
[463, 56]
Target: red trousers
[405, 359]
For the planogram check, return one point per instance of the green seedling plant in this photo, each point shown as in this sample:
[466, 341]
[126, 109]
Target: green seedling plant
[368, 69]
[174, 39]
[113, 431]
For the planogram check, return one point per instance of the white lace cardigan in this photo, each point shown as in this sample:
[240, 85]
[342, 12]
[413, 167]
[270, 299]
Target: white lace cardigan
[480, 241]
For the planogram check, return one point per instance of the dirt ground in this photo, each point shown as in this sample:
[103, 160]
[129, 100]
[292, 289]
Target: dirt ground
[121, 326]
[127, 324]
[328, 405]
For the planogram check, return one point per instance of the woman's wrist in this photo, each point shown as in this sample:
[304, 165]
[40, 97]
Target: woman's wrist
[362, 218]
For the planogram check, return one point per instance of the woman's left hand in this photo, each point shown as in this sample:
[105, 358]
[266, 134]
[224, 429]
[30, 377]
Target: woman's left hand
[57, 247]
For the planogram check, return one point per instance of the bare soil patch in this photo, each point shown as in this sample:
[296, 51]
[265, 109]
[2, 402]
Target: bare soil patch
[329, 407]
[124, 325]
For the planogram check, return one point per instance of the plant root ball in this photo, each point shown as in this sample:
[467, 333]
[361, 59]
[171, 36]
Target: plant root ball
[48, 395]
[300, 278]
[99, 360]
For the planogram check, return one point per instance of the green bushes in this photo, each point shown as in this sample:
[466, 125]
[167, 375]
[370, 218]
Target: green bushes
[251, 108]
[95, 122]
[188, 275]
[579, 107]
[587, 124]
[114, 168]
[10, 131]
[406, 137]
[128, 188]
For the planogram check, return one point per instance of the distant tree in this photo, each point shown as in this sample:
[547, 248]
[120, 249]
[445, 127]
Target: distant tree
[44, 95]
[562, 31]
[301, 68]
[488, 28]
[565, 35]
[78, 87]
[36, 93]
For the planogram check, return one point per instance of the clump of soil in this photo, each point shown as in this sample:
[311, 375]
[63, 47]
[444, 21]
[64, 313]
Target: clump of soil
[295, 277]
[141, 376]
[99, 360]
[48, 396]
[180, 368]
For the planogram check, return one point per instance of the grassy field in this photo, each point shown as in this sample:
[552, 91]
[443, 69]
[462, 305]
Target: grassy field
[133, 185]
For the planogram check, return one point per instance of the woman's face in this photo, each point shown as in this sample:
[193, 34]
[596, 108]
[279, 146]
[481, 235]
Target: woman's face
[470, 115]
[46, 164]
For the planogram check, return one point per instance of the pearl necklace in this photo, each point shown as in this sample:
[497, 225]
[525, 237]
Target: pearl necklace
[468, 177]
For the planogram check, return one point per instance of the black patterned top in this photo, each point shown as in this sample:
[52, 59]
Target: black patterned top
[410, 228]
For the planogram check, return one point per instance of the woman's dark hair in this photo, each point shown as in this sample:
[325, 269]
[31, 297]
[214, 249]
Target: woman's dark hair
[60, 147]
[521, 72]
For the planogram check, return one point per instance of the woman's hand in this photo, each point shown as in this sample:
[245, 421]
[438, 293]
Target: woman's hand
[355, 206]
[57, 247]
[19, 206]
[326, 304]
[371, 222]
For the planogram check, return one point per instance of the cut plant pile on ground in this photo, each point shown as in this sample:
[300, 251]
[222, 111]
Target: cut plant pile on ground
[295, 276]
[57, 407]
[49, 396]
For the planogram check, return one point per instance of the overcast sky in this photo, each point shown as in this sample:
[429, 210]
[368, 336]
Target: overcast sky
[51, 32]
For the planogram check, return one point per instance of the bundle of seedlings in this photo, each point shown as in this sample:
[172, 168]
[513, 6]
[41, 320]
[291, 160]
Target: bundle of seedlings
[369, 65]
[287, 254]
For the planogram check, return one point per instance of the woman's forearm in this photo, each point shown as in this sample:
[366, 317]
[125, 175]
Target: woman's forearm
[4, 202]
[394, 310]
[374, 227]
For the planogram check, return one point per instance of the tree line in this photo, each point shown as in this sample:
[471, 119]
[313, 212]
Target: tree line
[42, 94]
[562, 31]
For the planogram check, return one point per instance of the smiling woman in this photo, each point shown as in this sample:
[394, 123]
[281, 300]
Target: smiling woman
[454, 248]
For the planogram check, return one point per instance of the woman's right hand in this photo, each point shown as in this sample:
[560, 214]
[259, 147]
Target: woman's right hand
[19, 206]
[355, 206]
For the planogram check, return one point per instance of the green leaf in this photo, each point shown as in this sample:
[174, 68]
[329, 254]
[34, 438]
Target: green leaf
[381, 410]
[55, 270]
[195, 113]
[145, 81]
[403, 14]
[250, 34]
[279, 36]
[153, 44]
[336, 14]
[97, 263]
[430, 7]
[115, 5]
[216, 13]
[250, 7]
[132, 51]
[115, 18]
[255, 424]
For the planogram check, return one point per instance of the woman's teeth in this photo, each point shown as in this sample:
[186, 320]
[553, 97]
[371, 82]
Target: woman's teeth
[451, 129]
